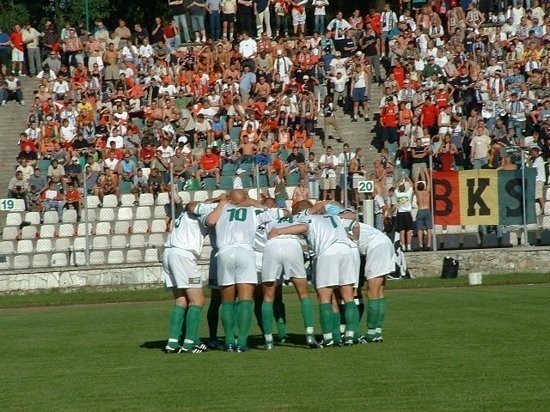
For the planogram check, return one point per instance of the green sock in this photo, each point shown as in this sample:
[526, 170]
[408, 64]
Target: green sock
[325, 310]
[192, 327]
[373, 310]
[381, 314]
[336, 321]
[267, 317]
[306, 304]
[228, 322]
[352, 319]
[176, 322]
[244, 321]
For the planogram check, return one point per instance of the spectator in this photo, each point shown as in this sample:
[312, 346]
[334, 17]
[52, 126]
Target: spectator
[229, 10]
[209, 166]
[53, 199]
[37, 185]
[214, 9]
[11, 90]
[18, 188]
[197, 12]
[319, 15]
[328, 163]
[238, 180]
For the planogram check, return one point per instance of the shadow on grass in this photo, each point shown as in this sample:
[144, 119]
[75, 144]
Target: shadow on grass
[293, 340]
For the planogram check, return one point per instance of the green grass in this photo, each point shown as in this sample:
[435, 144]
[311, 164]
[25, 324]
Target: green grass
[463, 348]
[86, 297]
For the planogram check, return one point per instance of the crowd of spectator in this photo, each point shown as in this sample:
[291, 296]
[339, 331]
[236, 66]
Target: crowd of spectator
[121, 109]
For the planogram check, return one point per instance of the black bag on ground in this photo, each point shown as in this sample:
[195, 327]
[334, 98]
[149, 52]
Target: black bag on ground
[450, 268]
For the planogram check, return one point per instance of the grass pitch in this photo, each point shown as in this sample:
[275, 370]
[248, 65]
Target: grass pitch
[463, 348]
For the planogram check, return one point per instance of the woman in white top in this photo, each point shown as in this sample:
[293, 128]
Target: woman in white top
[359, 90]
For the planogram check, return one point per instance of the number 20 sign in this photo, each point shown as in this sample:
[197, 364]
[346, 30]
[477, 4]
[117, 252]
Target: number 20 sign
[365, 186]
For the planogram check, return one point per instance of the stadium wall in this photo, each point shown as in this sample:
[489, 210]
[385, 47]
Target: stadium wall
[116, 277]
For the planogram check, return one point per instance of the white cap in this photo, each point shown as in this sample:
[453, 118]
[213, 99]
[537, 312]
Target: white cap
[359, 53]
[239, 171]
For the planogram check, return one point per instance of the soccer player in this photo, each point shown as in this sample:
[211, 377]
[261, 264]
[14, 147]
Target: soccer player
[283, 254]
[181, 274]
[379, 262]
[337, 266]
[236, 226]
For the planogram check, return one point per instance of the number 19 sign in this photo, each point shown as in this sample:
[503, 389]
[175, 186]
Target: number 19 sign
[12, 205]
[365, 186]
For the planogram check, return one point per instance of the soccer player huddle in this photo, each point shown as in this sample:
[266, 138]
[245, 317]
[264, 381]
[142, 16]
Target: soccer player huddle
[256, 246]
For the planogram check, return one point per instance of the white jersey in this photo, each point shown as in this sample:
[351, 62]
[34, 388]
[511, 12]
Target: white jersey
[190, 229]
[260, 239]
[368, 235]
[324, 231]
[238, 225]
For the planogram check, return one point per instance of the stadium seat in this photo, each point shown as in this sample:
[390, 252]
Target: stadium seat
[151, 255]
[156, 240]
[208, 183]
[106, 215]
[13, 219]
[47, 231]
[547, 209]
[79, 243]
[293, 179]
[50, 217]
[218, 193]
[134, 256]
[103, 229]
[115, 257]
[226, 182]
[127, 200]
[546, 222]
[200, 196]
[33, 218]
[62, 244]
[78, 258]
[545, 238]
[531, 238]
[137, 241]
[6, 263]
[263, 180]
[229, 169]
[66, 230]
[92, 201]
[44, 245]
[40, 261]
[140, 226]
[247, 181]
[119, 241]
[547, 195]
[471, 228]
[185, 196]
[92, 215]
[97, 257]
[100, 242]
[288, 204]
[489, 240]
[122, 228]
[538, 209]
[470, 241]
[160, 211]
[21, 262]
[59, 260]
[43, 165]
[162, 199]
[143, 213]
[254, 194]
[69, 216]
[7, 247]
[10, 233]
[158, 226]
[146, 171]
[28, 232]
[25, 246]
[290, 191]
[81, 229]
[125, 187]
[125, 213]
[146, 199]
[110, 201]
[235, 132]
